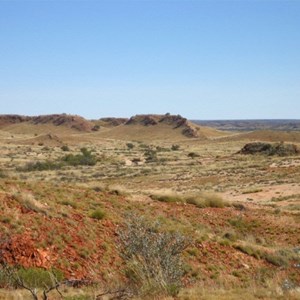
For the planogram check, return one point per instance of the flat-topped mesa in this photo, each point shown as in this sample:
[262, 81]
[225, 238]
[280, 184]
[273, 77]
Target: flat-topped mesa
[174, 121]
[70, 121]
[6, 120]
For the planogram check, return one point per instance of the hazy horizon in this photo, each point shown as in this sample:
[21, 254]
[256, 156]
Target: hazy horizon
[205, 60]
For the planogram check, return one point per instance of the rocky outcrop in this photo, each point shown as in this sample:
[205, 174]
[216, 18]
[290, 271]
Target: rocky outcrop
[70, 121]
[6, 120]
[174, 121]
[279, 149]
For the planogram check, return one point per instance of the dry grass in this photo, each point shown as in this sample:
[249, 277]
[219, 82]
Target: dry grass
[190, 195]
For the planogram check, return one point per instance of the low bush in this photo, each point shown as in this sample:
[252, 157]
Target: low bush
[169, 198]
[86, 158]
[279, 258]
[65, 148]
[2, 174]
[152, 256]
[40, 166]
[98, 214]
[193, 155]
[175, 147]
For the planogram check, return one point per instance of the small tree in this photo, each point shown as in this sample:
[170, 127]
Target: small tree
[31, 279]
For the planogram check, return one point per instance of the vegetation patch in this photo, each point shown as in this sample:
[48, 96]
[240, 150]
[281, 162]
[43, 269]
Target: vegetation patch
[152, 256]
[98, 214]
[280, 149]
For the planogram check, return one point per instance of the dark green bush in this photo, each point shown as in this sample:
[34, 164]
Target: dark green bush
[86, 158]
[65, 148]
[193, 155]
[175, 147]
[40, 166]
[130, 146]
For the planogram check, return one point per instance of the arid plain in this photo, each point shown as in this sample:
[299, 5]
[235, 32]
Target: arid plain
[70, 187]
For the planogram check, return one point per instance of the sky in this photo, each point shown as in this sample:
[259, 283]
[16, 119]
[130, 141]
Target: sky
[200, 59]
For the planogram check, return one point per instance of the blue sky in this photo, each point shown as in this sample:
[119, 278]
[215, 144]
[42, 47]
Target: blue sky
[200, 59]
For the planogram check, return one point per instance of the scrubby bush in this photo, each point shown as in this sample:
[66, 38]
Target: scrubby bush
[130, 146]
[175, 147]
[40, 166]
[65, 148]
[86, 158]
[169, 198]
[193, 155]
[98, 214]
[150, 155]
[152, 256]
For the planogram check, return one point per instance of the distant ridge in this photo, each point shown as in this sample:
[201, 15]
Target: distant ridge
[70, 121]
[6, 120]
[138, 127]
[250, 125]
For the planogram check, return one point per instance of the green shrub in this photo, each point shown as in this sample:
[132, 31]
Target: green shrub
[175, 147]
[40, 166]
[193, 155]
[39, 278]
[130, 146]
[31, 277]
[65, 148]
[150, 155]
[152, 256]
[98, 214]
[86, 158]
